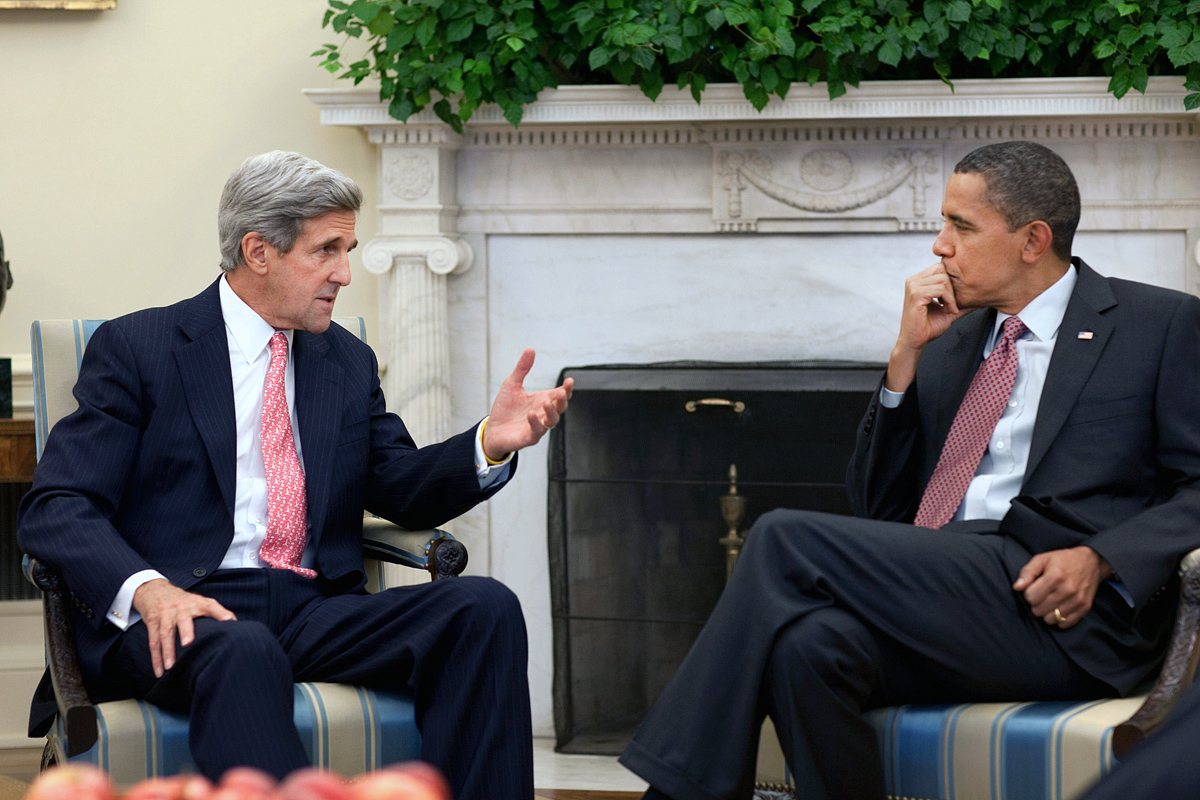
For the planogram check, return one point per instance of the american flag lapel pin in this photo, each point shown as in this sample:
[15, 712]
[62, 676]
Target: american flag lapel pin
[1086, 334]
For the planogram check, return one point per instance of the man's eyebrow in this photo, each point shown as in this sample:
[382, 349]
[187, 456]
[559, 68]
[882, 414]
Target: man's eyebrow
[957, 220]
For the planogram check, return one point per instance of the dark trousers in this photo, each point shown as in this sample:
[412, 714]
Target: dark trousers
[457, 645]
[826, 617]
[1165, 766]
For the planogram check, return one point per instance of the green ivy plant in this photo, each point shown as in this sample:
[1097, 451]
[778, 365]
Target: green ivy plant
[458, 54]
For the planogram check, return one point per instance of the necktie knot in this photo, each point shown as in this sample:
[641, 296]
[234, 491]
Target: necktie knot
[1012, 329]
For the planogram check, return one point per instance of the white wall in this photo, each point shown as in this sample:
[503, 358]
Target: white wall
[117, 131]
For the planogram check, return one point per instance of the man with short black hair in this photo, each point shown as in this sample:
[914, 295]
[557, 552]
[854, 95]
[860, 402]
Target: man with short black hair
[205, 504]
[1025, 482]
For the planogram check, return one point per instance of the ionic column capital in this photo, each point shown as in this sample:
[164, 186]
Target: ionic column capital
[443, 254]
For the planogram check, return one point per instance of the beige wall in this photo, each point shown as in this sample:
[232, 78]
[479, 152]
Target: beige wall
[117, 131]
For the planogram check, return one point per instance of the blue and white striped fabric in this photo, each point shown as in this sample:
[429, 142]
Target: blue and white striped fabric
[998, 751]
[347, 729]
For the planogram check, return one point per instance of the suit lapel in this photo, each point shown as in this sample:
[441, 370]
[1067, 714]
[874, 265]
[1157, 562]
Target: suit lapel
[318, 415]
[210, 399]
[1073, 359]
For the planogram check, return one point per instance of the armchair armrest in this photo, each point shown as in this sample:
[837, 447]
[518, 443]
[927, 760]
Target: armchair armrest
[436, 550]
[1178, 669]
[74, 706]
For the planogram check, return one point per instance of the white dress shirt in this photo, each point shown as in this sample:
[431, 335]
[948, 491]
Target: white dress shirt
[1001, 471]
[249, 338]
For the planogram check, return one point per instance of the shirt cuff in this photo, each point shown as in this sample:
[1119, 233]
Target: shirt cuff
[488, 473]
[890, 399]
[121, 612]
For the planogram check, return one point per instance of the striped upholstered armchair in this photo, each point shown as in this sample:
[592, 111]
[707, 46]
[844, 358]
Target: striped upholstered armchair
[348, 729]
[1020, 750]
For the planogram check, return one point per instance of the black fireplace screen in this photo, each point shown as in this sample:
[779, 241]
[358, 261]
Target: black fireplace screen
[637, 467]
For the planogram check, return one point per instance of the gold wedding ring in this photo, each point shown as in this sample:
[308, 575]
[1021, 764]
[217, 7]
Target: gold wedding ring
[1058, 616]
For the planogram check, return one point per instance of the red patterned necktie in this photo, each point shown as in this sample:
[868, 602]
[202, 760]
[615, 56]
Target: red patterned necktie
[287, 508]
[972, 429]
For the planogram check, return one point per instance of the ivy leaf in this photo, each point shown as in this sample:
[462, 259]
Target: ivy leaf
[757, 96]
[693, 27]
[958, 11]
[810, 5]
[1128, 35]
[401, 108]
[698, 85]
[599, 57]
[737, 16]
[770, 78]
[460, 29]
[515, 44]
[651, 84]
[1175, 36]
[1140, 78]
[513, 112]
[1121, 81]
[890, 53]
[787, 45]
[715, 18]
[382, 24]
[643, 57]
[1104, 49]
[426, 28]
[1192, 101]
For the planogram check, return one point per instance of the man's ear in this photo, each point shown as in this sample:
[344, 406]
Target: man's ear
[254, 252]
[1038, 239]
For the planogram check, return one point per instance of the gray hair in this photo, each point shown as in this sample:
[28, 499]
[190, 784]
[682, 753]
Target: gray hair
[1026, 182]
[273, 195]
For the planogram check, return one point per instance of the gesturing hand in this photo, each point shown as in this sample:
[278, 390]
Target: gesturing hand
[520, 419]
[166, 609]
[929, 308]
[1064, 581]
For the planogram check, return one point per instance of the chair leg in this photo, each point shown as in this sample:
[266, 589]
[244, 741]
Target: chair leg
[52, 754]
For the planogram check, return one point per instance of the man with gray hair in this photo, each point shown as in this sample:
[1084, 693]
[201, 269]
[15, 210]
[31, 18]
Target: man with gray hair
[205, 504]
[1024, 482]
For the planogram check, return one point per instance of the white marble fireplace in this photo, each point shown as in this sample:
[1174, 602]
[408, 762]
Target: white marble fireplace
[610, 228]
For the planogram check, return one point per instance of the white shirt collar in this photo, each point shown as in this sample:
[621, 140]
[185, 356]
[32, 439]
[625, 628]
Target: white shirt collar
[250, 331]
[1044, 313]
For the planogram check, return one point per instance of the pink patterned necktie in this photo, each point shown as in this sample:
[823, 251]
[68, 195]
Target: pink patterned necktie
[972, 429]
[287, 508]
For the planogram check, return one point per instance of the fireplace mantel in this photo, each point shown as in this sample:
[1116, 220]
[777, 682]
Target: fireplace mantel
[610, 228]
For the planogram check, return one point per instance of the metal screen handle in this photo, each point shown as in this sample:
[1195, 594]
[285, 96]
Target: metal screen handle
[737, 405]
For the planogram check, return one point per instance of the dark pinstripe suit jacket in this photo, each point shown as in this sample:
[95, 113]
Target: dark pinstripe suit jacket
[142, 474]
[1114, 463]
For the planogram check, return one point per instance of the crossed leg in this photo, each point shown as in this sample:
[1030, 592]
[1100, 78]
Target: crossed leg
[826, 617]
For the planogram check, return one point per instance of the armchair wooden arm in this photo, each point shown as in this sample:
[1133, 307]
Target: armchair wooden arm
[74, 705]
[436, 550]
[1178, 669]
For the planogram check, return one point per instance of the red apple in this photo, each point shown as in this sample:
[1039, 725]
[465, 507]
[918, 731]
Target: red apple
[157, 789]
[314, 784]
[71, 782]
[244, 783]
[410, 781]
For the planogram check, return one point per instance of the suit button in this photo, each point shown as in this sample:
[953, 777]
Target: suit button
[199, 572]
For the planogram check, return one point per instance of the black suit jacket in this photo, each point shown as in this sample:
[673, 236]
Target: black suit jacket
[142, 474]
[1114, 462]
